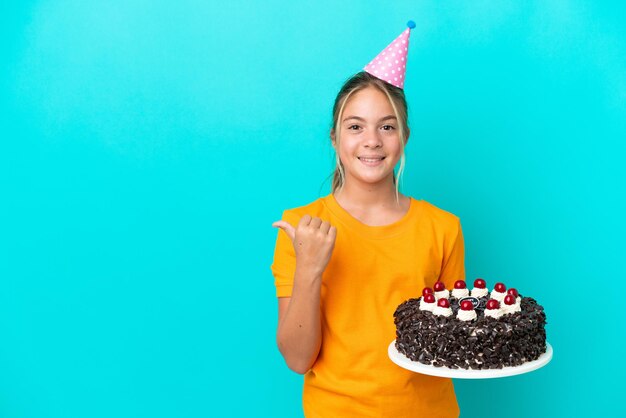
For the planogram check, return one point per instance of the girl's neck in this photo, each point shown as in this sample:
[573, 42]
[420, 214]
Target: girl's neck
[368, 196]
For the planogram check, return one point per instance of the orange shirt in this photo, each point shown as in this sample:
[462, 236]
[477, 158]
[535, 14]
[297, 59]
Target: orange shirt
[371, 271]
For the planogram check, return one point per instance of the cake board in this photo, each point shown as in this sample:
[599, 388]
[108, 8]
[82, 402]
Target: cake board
[406, 363]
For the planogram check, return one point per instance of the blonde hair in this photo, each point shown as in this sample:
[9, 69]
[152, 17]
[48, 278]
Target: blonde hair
[397, 100]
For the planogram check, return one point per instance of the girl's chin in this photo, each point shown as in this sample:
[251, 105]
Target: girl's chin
[372, 179]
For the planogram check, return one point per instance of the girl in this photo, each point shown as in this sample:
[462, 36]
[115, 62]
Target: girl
[343, 263]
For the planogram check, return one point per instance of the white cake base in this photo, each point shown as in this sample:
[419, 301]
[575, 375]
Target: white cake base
[406, 363]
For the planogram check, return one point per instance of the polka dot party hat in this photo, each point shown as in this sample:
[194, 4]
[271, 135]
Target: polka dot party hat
[390, 64]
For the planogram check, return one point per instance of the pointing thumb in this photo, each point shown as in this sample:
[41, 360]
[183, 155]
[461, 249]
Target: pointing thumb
[286, 226]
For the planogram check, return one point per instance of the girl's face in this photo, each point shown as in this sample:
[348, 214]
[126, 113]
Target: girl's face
[369, 145]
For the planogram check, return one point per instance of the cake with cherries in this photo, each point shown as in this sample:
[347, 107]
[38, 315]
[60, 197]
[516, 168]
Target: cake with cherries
[471, 329]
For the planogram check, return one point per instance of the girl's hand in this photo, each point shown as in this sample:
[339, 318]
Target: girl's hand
[313, 240]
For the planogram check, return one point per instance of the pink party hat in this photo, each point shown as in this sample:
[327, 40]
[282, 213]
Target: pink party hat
[390, 64]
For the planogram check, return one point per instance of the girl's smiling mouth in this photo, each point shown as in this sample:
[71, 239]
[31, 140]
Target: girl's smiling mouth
[371, 161]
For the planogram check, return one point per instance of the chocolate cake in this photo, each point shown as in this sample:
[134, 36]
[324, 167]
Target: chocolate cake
[471, 330]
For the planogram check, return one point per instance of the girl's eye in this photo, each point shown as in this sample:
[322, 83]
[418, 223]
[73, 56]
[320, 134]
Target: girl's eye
[388, 127]
[353, 126]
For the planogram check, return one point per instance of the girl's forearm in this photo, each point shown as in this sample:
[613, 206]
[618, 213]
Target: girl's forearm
[299, 334]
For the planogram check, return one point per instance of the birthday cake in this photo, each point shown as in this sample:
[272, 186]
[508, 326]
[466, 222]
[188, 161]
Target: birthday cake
[475, 329]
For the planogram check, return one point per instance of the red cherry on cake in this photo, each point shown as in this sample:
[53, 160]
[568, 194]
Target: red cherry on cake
[509, 299]
[460, 284]
[480, 284]
[439, 286]
[429, 298]
[443, 302]
[467, 305]
[500, 287]
[493, 304]
[426, 291]
[512, 291]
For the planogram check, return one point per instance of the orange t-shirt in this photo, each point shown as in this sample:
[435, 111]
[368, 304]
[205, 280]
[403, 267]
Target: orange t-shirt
[371, 271]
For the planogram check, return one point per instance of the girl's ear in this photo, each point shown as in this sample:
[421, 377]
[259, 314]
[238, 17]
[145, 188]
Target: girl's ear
[332, 137]
[408, 134]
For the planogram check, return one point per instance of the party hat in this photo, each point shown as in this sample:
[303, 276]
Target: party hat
[390, 64]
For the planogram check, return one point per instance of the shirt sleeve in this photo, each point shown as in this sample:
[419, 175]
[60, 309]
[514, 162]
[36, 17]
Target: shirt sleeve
[284, 265]
[453, 266]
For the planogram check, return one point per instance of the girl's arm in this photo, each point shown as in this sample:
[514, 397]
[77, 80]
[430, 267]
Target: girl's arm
[299, 335]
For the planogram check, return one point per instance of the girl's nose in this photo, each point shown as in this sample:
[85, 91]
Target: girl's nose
[373, 141]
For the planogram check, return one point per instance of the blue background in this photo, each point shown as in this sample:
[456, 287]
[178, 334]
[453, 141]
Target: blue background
[146, 147]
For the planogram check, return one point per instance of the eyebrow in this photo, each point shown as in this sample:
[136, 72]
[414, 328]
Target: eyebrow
[363, 120]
